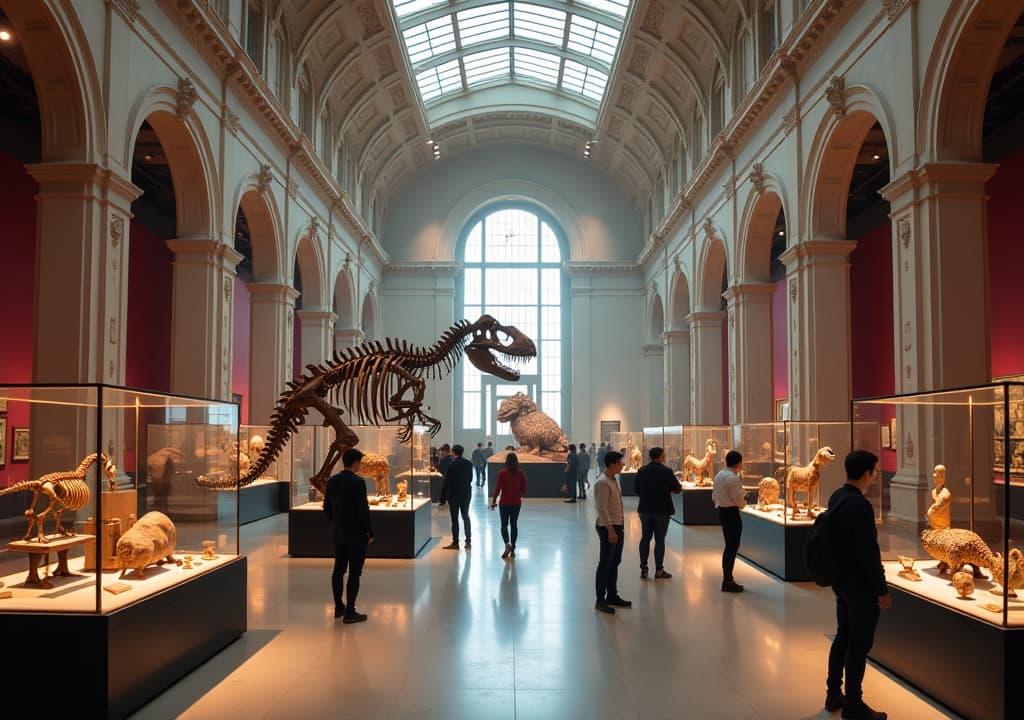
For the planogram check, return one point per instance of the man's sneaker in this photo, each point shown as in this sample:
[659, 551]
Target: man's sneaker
[353, 617]
[468, 544]
[453, 545]
[643, 573]
[339, 610]
[834, 703]
[665, 574]
[619, 602]
[731, 586]
[861, 711]
[602, 606]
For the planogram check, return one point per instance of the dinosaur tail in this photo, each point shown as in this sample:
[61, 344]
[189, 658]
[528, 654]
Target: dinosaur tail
[22, 486]
[283, 424]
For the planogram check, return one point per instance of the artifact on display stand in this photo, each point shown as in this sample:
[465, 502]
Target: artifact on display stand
[151, 541]
[938, 512]
[805, 480]
[767, 494]
[535, 432]
[698, 470]
[377, 468]
[964, 584]
[908, 572]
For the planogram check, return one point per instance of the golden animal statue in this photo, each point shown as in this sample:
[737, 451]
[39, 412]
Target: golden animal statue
[805, 479]
[377, 468]
[699, 470]
[67, 490]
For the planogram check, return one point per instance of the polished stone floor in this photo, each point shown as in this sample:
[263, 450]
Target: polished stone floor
[465, 634]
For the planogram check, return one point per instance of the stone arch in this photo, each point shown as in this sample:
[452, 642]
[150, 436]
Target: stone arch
[657, 317]
[713, 264]
[833, 156]
[307, 255]
[65, 79]
[265, 231]
[188, 154]
[959, 73]
[756, 227]
[679, 307]
[344, 298]
[368, 322]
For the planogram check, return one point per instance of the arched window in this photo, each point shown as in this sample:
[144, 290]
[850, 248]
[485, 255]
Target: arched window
[512, 269]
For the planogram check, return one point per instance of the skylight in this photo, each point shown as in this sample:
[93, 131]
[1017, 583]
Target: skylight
[458, 46]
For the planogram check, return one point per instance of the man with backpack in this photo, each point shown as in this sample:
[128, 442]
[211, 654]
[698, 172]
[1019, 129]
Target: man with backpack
[858, 583]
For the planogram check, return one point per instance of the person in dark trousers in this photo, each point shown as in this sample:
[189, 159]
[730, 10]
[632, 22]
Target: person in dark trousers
[655, 484]
[457, 490]
[729, 497]
[444, 459]
[860, 590]
[582, 470]
[510, 488]
[571, 465]
[348, 516]
[610, 527]
[480, 464]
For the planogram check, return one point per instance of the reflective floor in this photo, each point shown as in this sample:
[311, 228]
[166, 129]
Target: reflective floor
[465, 634]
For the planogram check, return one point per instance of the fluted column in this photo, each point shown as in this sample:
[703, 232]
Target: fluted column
[751, 397]
[317, 333]
[273, 317]
[202, 317]
[654, 371]
[677, 377]
[818, 314]
[706, 376]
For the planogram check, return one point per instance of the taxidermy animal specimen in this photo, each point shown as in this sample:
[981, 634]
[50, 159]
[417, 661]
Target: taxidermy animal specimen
[378, 468]
[805, 479]
[700, 470]
[150, 540]
[535, 432]
[66, 490]
[381, 384]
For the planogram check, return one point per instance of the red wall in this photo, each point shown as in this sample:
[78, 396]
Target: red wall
[1006, 265]
[780, 343]
[240, 348]
[150, 293]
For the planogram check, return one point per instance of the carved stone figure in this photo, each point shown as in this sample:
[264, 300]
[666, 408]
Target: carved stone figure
[699, 470]
[956, 547]
[66, 491]
[534, 431]
[767, 493]
[1015, 579]
[381, 384]
[964, 584]
[402, 487]
[908, 572]
[634, 456]
[805, 479]
[150, 541]
[377, 468]
[938, 512]
[208, 553]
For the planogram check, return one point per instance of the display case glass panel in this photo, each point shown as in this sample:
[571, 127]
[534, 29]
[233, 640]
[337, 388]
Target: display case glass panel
[308, 448]
[703, 451]
[251, 440]
[631, 445]
[952, 505]
[103, 477]
[672, 441]
[653, 437]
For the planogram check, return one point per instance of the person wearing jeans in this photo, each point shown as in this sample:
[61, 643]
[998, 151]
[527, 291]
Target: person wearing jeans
[610, 534]
[655, 484]
[458, 489]
[729, 497]
[510, 488]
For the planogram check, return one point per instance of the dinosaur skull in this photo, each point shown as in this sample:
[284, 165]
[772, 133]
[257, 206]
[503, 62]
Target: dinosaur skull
[485, 345]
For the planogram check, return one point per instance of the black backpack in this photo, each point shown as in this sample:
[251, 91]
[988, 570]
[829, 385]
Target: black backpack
[819, 549]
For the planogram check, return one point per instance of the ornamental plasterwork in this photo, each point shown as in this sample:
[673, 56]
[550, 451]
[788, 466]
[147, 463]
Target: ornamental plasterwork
[293, 189]
[709, 227]
[314, 227]
[730, 189]
[129, 8]
[231, 121]
[792, 290]
[187, 97]
[652, 21]
[903, 231]
[264, 179]
[627, 94]
[368, 19]
[397, 93]
[116, 230]
[640, 60]
[757, 178]
[615, 126]
[385, 63]
[892, 7]
[790, 118]
[835, 94]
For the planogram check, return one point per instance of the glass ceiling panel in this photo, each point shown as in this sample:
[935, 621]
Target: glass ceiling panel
[454, 48]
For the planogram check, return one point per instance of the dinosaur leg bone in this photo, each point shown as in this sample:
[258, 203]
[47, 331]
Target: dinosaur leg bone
[344, 439]
[45, 489]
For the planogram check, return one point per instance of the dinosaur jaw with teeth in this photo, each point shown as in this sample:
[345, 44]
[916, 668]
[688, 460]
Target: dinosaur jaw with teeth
[487, 360]
[490, 354]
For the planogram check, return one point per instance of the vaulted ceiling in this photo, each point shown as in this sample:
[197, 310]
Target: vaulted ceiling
[360, 68]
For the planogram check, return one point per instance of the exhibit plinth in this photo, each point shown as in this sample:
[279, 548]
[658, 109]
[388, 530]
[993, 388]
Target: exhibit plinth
[773, 545]
[126, 657]
[259, 500]
[543, 479]
[959, 660]
[397, 532]
[627, 483]
[694, 507]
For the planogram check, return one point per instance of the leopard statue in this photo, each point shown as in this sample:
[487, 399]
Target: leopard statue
[377, 468]
[534, 431]
[955, 547]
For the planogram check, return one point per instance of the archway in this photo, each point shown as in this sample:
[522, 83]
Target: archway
[709, 334]
[654, 363]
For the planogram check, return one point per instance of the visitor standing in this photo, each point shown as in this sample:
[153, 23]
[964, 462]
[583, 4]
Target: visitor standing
[655, 484]
[508, 496]
[444, 458]
[479, 464]
[610, 534]
[458, 486]
[571, 465]
[729, 497]
[582, 470]
[860, 587]
[348, 516]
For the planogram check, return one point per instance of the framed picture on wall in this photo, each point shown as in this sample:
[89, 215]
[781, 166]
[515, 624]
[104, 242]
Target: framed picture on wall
[608, 427]
[20, 445]
[1015, 443]
[3, 405]
[886, 437]
[892, 433]
[3, 441]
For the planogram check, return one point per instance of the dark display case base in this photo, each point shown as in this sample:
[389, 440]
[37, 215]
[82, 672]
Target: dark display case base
[125, 658]
[694, 507]
[543, 480]
[255, 502]
[777, 548]
[396, 533]
[627, 482]
[964, 663]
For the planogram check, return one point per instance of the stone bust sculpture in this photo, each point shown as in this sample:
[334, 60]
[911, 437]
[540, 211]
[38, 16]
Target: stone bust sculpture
[938, 513]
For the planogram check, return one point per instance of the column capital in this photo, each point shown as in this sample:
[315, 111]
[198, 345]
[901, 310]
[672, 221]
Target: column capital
[273, 291]
[673, 337]
[68, 178]
[701, 317]
[653, 349]
[813, 252]
[952, 178]
[744, 291]
[203, 251]
[317, 314]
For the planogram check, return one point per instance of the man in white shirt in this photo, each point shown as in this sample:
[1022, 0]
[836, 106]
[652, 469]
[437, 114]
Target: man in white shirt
[610, 533]
[729, 497]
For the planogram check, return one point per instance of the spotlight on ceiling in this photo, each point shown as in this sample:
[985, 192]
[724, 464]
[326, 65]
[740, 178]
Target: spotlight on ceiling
[147, 157]
[782, 233]
[876, 156]
[588, 147]
[5, 35]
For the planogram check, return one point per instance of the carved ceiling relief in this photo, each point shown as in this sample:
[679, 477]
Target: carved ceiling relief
[627, 94]
[369, 21]
[640, 61]
[385, 63]
[187, 97]
[652, 21]
[398, 100]
[615, 126]
[757, 177]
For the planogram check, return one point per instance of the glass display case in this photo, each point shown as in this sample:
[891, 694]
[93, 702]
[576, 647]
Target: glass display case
[100, 517]
[631, 445]
[951, 529]
[397, 479]
[701, 450]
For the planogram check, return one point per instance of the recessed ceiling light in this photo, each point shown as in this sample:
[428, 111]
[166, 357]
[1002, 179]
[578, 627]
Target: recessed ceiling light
[876, 157]
[782, 233]
[5, 35]
[147, 157]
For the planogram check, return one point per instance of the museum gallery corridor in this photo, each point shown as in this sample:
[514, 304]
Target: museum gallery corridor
[464, 634]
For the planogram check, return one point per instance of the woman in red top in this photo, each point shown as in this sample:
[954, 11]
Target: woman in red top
[511, 486]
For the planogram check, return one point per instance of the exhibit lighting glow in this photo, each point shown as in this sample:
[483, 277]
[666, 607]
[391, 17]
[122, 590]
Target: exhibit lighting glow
[877, 157]
[5, 35]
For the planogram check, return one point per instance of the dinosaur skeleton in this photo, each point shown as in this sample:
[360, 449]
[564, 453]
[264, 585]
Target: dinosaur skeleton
[381, 385]
[67, 491]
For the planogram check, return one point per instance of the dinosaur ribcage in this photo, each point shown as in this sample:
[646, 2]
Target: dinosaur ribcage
[73, 494]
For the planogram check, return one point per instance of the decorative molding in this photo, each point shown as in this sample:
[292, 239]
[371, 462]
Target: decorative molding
[789, 120]
[116, 230]
[730, 188]
[893, 8]
[757, 177]
[293, 189]
[368, 18]
[265, 178]
[314, 227]
[903, 231]
[187, 97]
[129, 9]
[835, 94]
[792, 290]
[231, 120]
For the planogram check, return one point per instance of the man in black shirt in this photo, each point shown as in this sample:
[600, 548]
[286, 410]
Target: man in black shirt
[655, 484]
[458, 488]
[348, 513]
[860, 590]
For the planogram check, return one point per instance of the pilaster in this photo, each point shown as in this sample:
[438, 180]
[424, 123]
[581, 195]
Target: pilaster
[677, 377]
[273, 318]
[317, 333]
[654, 372]
[750, 341]
[706, 377]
